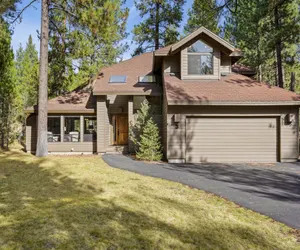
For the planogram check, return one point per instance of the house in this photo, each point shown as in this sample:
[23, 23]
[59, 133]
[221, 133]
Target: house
[205, 110]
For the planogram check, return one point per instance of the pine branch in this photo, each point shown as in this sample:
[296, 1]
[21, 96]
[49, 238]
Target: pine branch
[21, 12]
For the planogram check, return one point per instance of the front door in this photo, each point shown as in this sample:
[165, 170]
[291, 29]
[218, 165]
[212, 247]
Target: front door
[120, 129]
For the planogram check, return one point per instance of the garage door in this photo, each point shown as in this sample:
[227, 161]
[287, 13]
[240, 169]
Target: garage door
[231, 140]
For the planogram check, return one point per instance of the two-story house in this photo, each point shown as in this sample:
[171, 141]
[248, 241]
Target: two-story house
[205, 110]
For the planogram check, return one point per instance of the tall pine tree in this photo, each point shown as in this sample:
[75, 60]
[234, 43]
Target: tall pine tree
[27, 66]
[161, 19]
[203, 13]
[9, 99]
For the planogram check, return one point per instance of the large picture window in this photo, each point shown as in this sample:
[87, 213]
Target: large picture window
[72, 129]
[90, 129]
[200, 59]
[53, 129]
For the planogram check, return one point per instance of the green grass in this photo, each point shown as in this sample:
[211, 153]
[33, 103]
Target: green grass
[78, 202]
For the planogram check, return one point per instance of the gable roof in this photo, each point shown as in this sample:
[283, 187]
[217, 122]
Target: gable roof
[202, 30]
[132, 68]
[234, 89]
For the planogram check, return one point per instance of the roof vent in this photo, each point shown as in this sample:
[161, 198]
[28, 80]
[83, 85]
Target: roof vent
[117, 79]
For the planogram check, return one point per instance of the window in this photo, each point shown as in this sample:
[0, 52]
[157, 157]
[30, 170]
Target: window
[72, 129]
[90, 129]
[53, 129]
[117, 79]
[147, 79]
[200, 59]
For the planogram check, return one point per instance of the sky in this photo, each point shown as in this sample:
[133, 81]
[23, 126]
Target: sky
[30, 24]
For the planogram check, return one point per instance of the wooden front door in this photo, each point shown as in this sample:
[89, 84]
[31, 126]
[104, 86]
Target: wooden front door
[120, 129]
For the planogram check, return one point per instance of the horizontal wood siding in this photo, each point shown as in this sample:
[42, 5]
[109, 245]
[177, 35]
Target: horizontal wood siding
[102, 124]
[31, 133]
[288, 133]
[72, 147]
[171, 64]
[231, 139]
[225, 64]
[116, 103]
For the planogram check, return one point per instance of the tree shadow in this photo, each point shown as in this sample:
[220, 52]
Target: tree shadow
[271, 182]
[43, 208]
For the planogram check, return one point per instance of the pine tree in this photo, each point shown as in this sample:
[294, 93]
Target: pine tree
[150, 146]
[203, 13]
[9, 98]
[159, 27]
[84, 41]
[141, 118]
[27, 64]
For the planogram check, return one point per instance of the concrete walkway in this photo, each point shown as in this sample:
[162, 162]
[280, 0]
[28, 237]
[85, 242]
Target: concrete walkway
[273, 189]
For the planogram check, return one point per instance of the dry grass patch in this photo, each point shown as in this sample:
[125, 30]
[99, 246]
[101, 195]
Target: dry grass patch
[81, 203]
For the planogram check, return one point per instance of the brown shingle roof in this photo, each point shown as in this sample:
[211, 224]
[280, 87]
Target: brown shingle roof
[234, 88]
[79, 100]
[133, 68]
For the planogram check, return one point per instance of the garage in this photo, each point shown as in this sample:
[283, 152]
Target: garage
[231, 139]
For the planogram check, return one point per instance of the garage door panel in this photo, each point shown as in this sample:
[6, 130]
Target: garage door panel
[231, 139]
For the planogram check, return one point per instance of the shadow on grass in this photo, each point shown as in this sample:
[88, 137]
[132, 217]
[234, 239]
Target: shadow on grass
[41, 208]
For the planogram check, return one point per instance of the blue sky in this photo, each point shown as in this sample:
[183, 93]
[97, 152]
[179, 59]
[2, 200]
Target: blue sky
[31, 23]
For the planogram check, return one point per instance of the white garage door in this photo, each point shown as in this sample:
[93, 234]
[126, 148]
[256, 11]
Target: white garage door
[231, 140]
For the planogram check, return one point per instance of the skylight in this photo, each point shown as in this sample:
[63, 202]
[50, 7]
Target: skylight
[117, 79]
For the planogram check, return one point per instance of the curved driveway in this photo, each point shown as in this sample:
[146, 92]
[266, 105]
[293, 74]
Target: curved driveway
[273, 189]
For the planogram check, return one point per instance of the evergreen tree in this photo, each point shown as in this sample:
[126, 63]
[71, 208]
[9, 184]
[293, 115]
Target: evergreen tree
[9, 99]
[159, 27]
[141, 118]
[27, 64]
[84, 41]
[150, 146]
[268, 47]
[203, 13]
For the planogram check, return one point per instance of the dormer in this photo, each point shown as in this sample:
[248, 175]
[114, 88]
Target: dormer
[200, 56]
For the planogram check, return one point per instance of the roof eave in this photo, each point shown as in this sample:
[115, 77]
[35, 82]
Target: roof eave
[232, 103]
[198, 32]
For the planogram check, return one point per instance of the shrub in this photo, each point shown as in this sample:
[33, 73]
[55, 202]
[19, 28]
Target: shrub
[149, 145]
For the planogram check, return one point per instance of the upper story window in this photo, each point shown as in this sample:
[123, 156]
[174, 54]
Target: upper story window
[147, 78]
[200, 59]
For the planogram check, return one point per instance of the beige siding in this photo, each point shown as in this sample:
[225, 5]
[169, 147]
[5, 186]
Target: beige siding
[231, 139]
[225, 64]
[31, 133]
[72, 147]
[216, 67]
[164, 126]
[130, 122]
[171, 64]
[288, 134]
[118, 104]
[102, 124]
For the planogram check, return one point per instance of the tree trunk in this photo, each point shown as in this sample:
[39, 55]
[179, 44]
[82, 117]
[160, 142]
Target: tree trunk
[278, 51]
[156, 25]
[293, 81]
[42, 144]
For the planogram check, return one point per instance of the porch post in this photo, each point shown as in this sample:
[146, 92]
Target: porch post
[102, 124]
[62, 128]
[130, 120]
[81, 128]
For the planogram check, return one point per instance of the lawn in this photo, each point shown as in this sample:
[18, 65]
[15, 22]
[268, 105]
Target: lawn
[78, 202]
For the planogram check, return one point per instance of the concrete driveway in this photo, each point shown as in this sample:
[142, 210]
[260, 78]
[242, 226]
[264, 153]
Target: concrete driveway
[270, 189]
